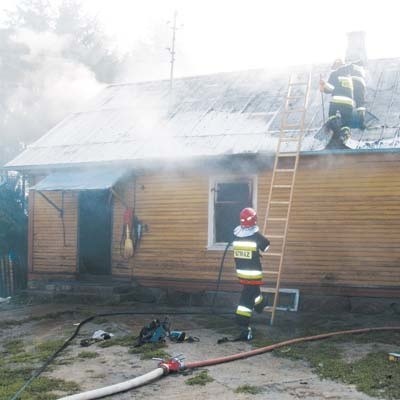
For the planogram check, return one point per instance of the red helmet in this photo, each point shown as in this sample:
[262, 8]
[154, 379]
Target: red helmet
[248, 218]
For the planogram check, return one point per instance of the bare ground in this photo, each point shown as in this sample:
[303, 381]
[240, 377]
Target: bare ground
[273, 377]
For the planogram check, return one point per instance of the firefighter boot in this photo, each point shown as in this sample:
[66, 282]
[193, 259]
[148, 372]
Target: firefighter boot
[334, 123]
[361, 118]
[344, 134]
[245, 335]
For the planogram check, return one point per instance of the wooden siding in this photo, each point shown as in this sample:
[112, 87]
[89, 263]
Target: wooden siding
[345, 223]
[344, 232]
[50, 252]
[174, 207]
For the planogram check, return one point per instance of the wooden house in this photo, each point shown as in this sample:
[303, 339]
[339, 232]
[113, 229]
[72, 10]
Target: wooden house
[188, 160]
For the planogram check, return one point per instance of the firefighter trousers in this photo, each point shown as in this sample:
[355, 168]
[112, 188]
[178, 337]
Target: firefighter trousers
[251, 299]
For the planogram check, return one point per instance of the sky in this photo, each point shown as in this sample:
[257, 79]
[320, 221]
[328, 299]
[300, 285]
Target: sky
[227, 35]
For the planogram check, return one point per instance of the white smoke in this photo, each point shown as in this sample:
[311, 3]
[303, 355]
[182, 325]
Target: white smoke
[52, 87]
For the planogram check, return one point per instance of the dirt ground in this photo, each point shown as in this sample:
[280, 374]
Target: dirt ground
[266, 376]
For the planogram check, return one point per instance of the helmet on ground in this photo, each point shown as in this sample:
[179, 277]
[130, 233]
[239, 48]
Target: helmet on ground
[248, 217]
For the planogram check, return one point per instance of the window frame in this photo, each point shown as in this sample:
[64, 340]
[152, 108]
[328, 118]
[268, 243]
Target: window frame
[213, 181]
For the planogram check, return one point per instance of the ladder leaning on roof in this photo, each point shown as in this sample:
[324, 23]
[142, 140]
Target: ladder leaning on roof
[282, 181]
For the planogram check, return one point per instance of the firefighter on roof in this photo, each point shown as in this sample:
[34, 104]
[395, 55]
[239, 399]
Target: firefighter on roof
[340, 86]
[360, 88]
[247, 244]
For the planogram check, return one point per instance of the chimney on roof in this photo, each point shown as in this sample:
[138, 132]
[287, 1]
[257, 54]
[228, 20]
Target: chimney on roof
[356, 47]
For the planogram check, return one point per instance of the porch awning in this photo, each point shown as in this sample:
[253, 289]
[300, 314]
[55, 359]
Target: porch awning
[96, 179]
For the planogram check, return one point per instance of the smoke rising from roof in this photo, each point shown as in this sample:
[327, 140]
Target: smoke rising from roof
[54, 83]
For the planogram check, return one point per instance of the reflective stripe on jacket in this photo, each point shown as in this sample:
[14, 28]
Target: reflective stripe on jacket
[246, 251]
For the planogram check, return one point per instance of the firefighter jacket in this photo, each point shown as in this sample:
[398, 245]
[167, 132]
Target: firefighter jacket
[246, 252]
[340, 85]
[359, 85]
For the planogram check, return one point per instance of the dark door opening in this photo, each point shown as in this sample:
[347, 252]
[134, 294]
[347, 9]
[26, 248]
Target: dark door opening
[94, 232]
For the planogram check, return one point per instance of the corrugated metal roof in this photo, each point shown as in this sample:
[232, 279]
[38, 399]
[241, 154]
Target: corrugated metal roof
[212, 115]
[93, 179]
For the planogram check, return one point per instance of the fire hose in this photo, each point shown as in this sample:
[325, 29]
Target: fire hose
[176, 364]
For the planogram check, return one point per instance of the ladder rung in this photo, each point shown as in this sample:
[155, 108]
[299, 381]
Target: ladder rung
[285, 170]
[278, 202]
[275, 236]
[294, 97]
[282, 186]
[268, 309]
[289, 139]
[291, 154]
[298, 126]
[299, 83]
[277, 219]
[271, 272]
[273, 254]
[295, 110]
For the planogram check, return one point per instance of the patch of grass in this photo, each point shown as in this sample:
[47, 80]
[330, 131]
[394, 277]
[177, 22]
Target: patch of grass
[374, 374]
[387, 337]
[249, 389]
[121, 341]
[12, 322]
[88, 354]
[44, 350]
[200, 379]
[150, 350]
[14, 346]
[101, 320]
[17, 365]
[16, 322]
[42, 387]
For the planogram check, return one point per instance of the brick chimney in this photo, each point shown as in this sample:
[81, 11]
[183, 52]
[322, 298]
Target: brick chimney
[356, 47]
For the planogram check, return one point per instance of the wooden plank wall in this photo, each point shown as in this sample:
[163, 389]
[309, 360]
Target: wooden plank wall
[345, 225]
[175, 209]
[50, 254]
[344, 230]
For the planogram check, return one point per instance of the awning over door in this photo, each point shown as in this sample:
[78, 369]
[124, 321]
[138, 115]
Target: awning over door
[95, 179]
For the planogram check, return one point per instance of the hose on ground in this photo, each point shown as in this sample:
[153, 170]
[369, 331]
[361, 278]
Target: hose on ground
[261, 350]
[73, 336]
[147, 378]
[118, 387]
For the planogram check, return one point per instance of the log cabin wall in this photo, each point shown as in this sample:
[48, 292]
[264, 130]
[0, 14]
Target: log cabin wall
[343, 238]
[53, 248]
[344, 233]
[174, 249]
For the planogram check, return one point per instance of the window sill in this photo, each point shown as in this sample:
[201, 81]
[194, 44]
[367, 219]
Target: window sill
[217, 247]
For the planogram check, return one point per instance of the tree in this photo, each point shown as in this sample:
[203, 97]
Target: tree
[13, 219]
[52, 59]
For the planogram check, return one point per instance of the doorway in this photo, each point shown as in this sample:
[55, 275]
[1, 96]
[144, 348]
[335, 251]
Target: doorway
[94, 243]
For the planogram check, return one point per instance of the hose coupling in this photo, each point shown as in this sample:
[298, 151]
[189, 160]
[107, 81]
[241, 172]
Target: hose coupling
[174, 364]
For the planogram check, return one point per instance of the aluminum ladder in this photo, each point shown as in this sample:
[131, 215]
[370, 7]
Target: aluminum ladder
[283, 178]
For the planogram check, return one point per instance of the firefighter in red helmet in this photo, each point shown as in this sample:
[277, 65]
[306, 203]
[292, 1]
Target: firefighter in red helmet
[247, 244]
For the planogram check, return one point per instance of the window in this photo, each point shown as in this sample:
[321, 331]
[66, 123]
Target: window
[227, 198]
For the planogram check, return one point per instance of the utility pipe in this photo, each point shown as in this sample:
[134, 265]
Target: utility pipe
[176, 365]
